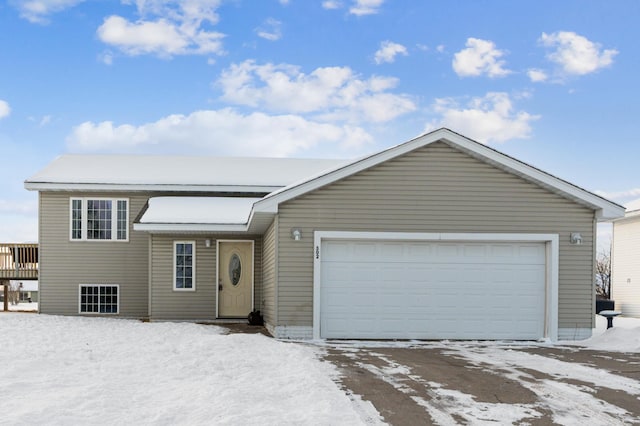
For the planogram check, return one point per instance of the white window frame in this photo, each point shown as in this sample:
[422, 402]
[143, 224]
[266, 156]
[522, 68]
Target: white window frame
[117, 286]
[193, 265]
[114, 219]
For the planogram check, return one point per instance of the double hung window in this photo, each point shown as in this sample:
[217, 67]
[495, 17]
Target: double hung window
[184, 265]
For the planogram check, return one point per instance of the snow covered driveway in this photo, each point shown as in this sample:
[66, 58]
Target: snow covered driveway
[82, 371]
[449, 383]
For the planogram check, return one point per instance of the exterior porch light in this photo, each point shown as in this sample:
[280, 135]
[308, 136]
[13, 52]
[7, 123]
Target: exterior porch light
[296, 234]
[207, 243]
[576, 238]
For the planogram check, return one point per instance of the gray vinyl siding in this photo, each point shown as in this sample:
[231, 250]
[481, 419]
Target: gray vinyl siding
[625, 286]
[167, 304]
[64, 264]
[269, 274]
[434, 189]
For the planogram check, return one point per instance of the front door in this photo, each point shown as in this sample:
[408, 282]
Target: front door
[235, 278]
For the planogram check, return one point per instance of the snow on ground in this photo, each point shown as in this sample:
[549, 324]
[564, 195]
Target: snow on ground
[24, 307]
[70, 370]
[624, 336]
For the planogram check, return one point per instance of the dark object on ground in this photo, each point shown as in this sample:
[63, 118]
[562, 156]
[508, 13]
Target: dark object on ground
[255, 318]
[609, 315]
[604, 305]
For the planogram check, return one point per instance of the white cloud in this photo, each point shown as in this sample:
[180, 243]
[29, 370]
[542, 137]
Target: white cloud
[480, 57]
[331, 93]
[575, 54]
[38, 11]
[487, 119]
[365, 7]
[388, 52]
[270, 30]
[615, 195]
[331, 4]
[440, 48]
[536, 75]
[177, 28]
[5, 109]
[221, 132]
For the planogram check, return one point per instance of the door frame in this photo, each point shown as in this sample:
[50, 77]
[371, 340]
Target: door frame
[253, 271]
[552, 256]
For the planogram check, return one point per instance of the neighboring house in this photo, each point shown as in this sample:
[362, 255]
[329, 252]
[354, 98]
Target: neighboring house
[29, 291]
[625, 264]
[439, 237]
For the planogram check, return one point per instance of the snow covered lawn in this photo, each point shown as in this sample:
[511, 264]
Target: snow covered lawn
[70, 370]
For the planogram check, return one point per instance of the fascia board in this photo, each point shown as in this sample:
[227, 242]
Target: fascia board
[51, 186]
[189, 227]
[629, 216]
[270, 204]
[605, 210]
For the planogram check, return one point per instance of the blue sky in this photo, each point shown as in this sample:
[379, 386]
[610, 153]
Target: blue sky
[552, 83]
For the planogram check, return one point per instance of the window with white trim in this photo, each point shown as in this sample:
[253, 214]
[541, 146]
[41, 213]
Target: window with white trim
[99, 298]
[184, 265]
[99, 219]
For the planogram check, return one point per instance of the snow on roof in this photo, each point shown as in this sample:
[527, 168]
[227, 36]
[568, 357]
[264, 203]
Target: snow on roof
[198, 210]
[177, 170]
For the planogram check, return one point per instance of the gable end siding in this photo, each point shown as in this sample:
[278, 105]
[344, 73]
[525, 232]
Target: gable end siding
[434, 189]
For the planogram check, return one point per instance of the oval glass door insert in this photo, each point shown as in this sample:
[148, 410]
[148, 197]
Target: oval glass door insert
[235, 269]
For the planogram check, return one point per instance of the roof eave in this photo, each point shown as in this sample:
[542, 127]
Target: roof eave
[605, 210]
[190, 227]
[103, 187]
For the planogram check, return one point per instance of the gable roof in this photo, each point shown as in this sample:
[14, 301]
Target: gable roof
[605, 209]
[174, 173]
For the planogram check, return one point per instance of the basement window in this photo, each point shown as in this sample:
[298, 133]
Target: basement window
[99, 298]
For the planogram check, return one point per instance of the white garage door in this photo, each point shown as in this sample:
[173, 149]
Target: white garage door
[376, 289]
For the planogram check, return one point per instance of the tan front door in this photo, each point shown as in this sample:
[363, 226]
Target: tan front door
[235, 278]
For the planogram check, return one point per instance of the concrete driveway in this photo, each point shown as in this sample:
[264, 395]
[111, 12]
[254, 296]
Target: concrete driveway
[490, 383]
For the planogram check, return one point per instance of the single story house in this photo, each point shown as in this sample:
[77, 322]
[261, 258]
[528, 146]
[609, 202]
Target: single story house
[625, 264]
[440, 237]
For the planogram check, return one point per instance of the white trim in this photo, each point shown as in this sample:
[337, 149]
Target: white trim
[189, 227]
[253, 271]
[553, 251]
[632, 214]
[193, 266]
[605, 210]
[51, 186]
[95, 285]
[114, 219]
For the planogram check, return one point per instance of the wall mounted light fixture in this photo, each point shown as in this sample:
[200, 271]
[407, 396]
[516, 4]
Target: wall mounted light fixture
[296, 234]
[576, 238]
[207, 243]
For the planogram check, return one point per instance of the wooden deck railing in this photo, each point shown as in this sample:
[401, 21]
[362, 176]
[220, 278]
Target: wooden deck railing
[18, 261]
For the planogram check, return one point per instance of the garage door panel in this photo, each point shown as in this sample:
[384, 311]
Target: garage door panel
[378, 289]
